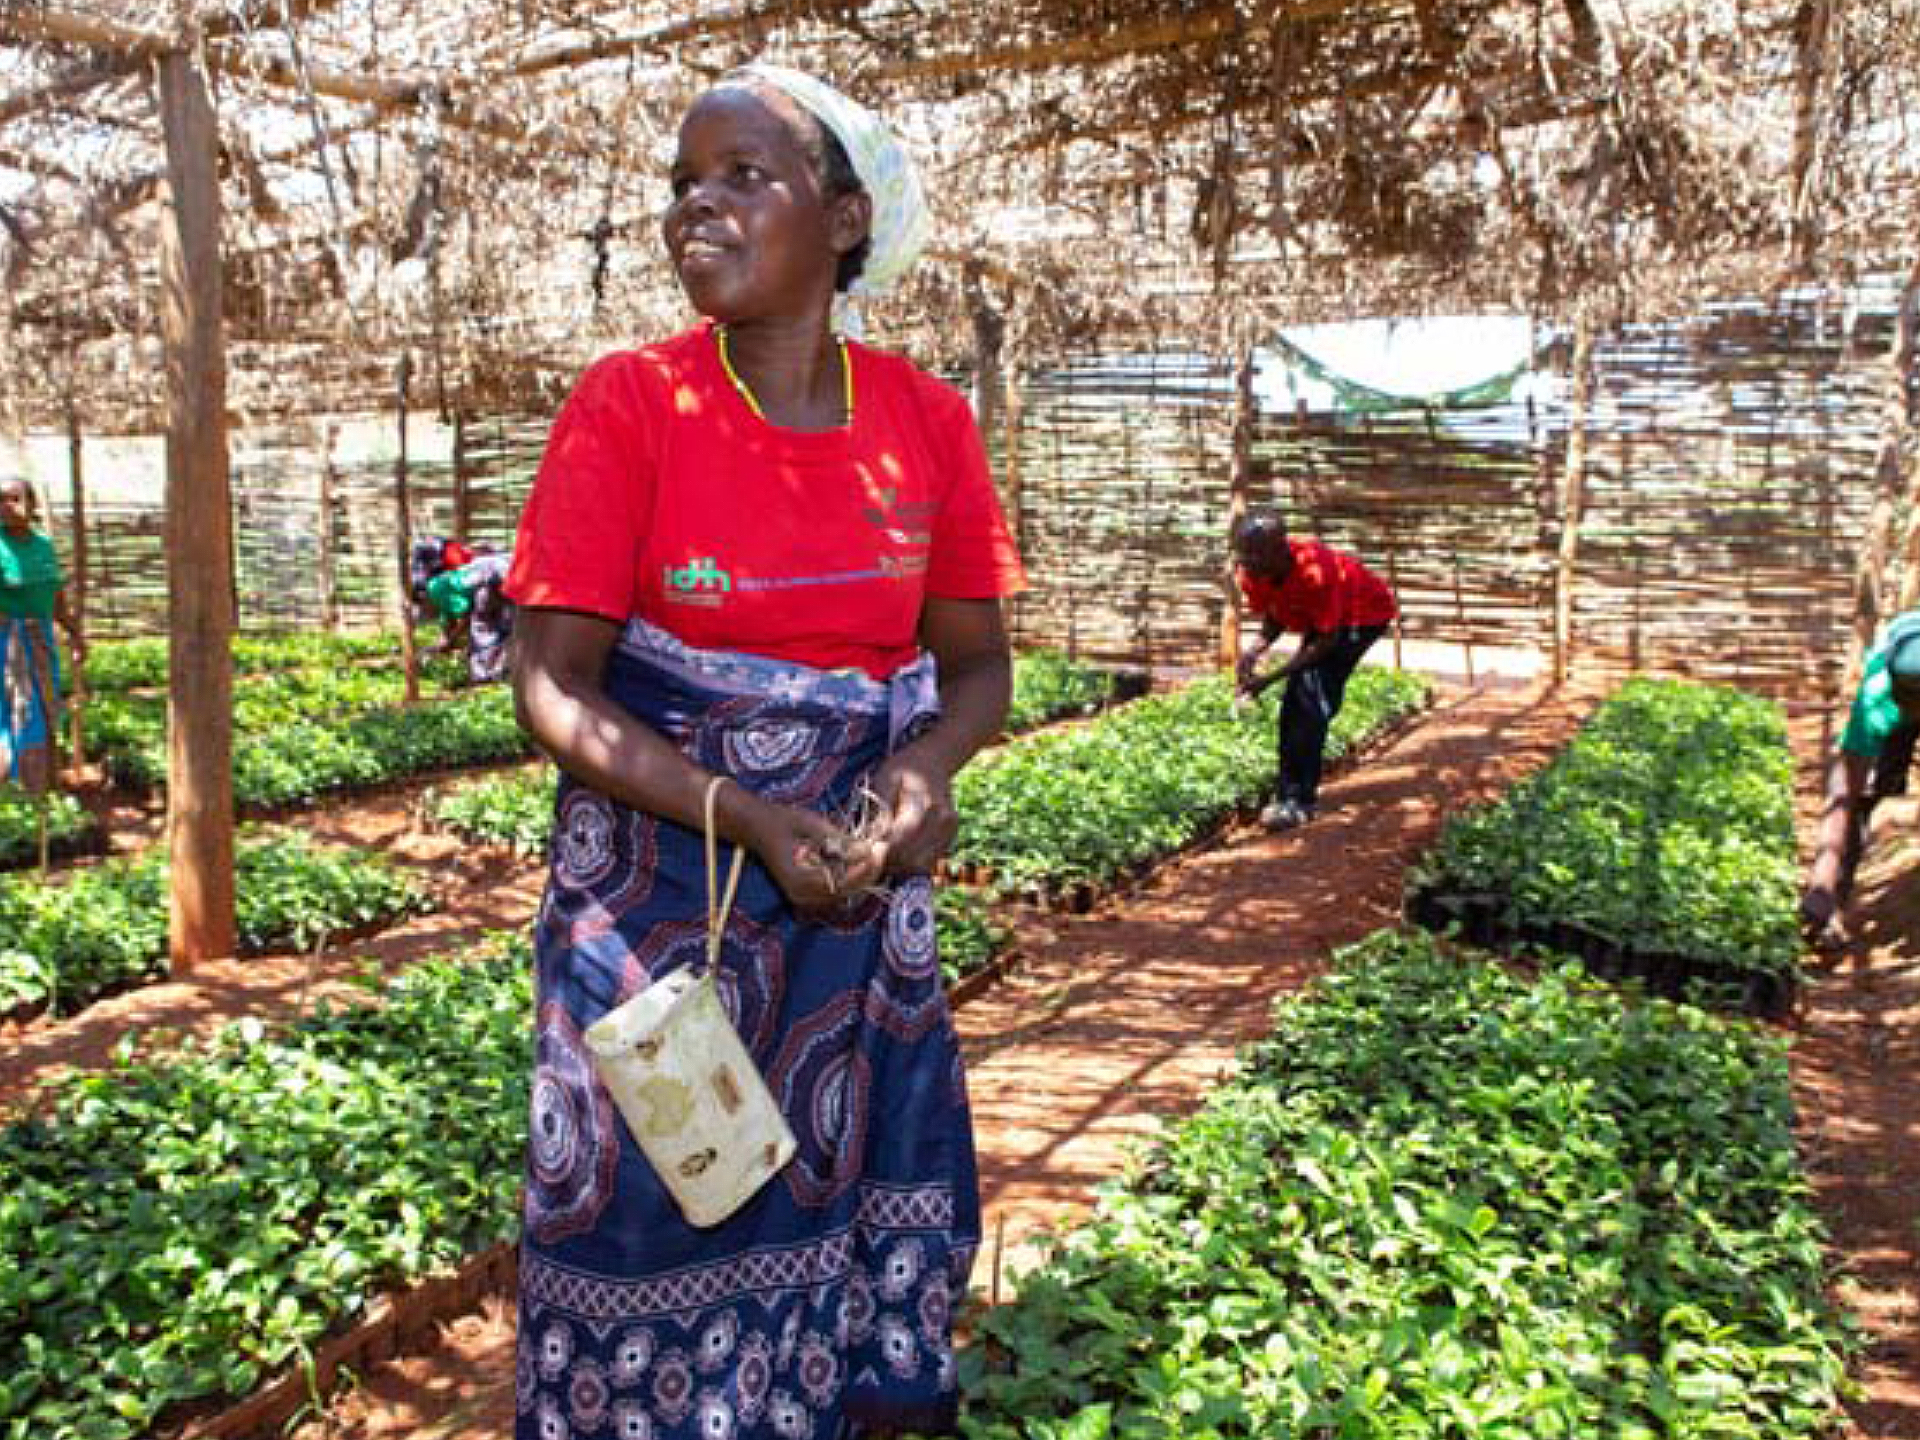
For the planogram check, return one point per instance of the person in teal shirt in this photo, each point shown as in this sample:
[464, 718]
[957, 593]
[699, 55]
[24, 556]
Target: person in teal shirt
[1875, 752]
[32, 599]
[469, 596]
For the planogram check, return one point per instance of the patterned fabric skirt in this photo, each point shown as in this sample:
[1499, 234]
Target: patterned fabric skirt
[823, 1306]
[29, 701]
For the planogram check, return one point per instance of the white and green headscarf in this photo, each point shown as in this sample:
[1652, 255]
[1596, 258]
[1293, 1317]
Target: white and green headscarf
[886, 171]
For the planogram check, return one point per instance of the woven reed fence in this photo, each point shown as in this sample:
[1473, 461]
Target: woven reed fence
[314, 545]
[1123, 491]
[1727, 483]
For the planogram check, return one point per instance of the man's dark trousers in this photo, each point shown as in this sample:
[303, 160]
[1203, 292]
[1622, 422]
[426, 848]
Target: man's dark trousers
[1313, 697]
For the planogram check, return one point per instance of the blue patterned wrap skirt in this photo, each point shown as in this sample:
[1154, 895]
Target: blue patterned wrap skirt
[825, 1304]
[29, 700]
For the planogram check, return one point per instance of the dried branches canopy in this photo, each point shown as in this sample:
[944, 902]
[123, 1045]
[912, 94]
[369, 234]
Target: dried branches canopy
[476, 184]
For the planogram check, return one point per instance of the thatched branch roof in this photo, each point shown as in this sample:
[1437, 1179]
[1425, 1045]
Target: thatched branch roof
[480, 183]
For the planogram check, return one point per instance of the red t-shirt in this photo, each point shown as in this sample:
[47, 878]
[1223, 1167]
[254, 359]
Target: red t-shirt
[1327, 589]
[662, 495]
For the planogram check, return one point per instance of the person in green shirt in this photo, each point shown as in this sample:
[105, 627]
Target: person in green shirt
[32, 598]
[471, 602]
[1875, 752]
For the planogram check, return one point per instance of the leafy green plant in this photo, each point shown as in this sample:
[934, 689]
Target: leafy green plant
[515, 810]
[301, 736]
[1441, 1201]
[1050, 685]
[1664, 829]
[177, 1229]
[63, 943]
[1087, 804]
[119, 665]
[69, 826]
[969, 935]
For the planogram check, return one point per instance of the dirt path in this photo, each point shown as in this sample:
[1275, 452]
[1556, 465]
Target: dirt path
[1856, 1068]
[1118, 1017]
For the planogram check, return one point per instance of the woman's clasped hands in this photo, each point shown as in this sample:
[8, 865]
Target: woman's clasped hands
[903, 823]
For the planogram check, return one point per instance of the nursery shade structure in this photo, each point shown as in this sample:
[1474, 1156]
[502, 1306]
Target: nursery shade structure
[480, 182]
[472, 188]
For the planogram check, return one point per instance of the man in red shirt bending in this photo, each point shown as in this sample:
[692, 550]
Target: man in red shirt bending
[1339, 608]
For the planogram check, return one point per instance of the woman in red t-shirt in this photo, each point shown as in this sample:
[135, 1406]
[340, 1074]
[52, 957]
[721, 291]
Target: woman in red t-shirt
[763, 554]
[1339, 608]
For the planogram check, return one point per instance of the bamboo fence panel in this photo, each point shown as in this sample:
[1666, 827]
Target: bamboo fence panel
[1730, 461]
[1729, 474]
[1127, 488]
[1729, 482]
[280, 495]
[1122, 506]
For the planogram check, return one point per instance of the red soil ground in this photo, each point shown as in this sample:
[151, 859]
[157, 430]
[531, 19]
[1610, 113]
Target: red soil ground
[1115, 1018]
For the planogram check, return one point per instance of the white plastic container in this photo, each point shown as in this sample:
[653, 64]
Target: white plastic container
[691, 1095]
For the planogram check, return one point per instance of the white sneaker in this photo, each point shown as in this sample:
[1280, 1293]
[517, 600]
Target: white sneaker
[1285, 815]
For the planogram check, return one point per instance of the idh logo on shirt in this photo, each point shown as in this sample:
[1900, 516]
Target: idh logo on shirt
[698, 582]
[907, 526]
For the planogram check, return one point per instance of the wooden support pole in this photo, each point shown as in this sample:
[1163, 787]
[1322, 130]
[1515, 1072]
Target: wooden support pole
[1870, 576]
[199, 529]
[403, 530]
[327, 562]
[77, 587]
[462, 490]
[1239, 486]
[989, 335]
[1895, 451]
[1572, 497]
[1812, 36]
[1011, 479]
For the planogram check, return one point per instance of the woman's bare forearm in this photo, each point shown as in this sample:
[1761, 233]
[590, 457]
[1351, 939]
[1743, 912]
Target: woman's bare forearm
[974, 699]
[969, 643]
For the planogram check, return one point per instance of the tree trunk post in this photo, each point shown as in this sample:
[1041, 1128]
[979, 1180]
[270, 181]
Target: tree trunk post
[989, 335]
[199, 520]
